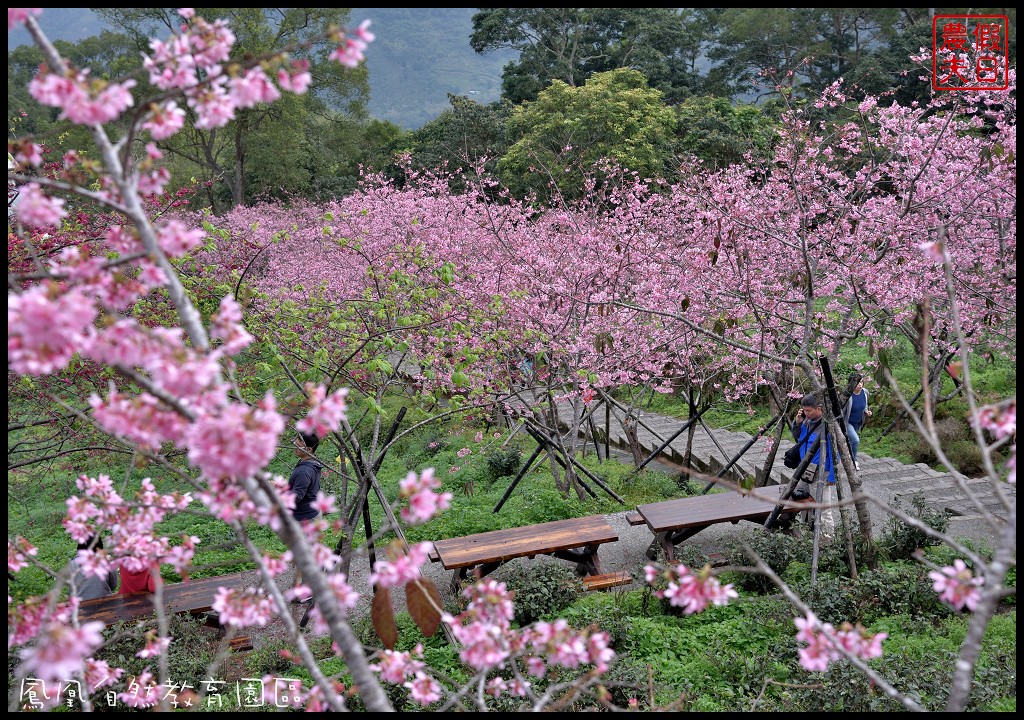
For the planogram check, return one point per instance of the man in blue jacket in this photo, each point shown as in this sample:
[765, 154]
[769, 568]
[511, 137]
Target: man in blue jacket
[806, 427]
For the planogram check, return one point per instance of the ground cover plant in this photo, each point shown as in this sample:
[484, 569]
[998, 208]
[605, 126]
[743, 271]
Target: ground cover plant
[407, 323]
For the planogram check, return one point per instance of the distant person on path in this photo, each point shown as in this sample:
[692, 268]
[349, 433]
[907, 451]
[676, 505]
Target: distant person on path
[142, 581]
[805, 428]
[305, 485]
[90, 587]
[855, 412]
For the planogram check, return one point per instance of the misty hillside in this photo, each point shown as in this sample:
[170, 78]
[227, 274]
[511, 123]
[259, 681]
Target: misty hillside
[420, 55]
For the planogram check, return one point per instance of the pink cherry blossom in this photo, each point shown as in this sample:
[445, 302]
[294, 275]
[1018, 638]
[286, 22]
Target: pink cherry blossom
[142, 691]
[18, 552]
[296, 78]
[45, 328]
[252, 88]
[175, 239]
[154, 646]
[395, 667]
[692, 591]
[423, 503]
[822, 643]
[99, 674]
[236, 442]
[37, 208]
[326, 411]
[387, 573]
[957, 585]
[242, 608]
[165, 120]
[226, 324]
[16, 16]
[60, 650]
[423, 689]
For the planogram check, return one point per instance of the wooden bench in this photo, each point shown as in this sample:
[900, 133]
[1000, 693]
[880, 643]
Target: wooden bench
[194, 597]
[673, 521]
[608, 580]
[576, 540]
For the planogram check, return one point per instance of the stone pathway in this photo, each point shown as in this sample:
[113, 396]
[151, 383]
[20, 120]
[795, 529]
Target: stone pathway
[886, 478]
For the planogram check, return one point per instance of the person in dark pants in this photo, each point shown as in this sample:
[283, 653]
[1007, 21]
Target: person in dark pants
[304, 483]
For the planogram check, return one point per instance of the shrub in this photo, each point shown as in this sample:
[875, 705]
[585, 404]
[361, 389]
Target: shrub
[541, 589]
[965, 456]
[900, 540]
[949, 430]
[776, 549]
[503, 462]
[192, 648]
[267, 660]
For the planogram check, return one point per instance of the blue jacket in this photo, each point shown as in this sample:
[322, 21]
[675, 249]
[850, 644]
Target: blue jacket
[805, 434]
[305, 484]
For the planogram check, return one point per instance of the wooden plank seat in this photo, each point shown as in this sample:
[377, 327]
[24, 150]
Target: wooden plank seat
[195, 597]
[634, 518]
[241, 643]
[607, 580]
[575, 540]
[673, 521]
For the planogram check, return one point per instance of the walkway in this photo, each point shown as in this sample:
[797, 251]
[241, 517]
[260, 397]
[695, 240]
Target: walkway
[886, 478]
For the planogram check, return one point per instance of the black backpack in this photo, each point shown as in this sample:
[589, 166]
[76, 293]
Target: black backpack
[793, 456]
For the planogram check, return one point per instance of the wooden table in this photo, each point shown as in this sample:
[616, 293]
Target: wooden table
[673, 521]
[195, 597]
[576, 540]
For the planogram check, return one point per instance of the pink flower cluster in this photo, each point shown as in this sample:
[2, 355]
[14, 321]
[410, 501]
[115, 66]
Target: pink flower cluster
[406, 567]
[1001, 421]
[18, 552]
[60, 650]
[241, 608]
[350, 50]
[823, 642]
[236, 442]
[226, 324]
[82, 100]
[155, 645]
[401, 668]
[346, 597]
[326, 411]
[143, 691]
[423, 503]
[566, 647]
[133, 542]
[45, 327]
[488, 640]
[692, 591]
[957, 585]
[37, 208]
[16, 16]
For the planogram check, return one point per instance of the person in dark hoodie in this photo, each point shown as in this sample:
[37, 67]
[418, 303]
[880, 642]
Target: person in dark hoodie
[305, 484]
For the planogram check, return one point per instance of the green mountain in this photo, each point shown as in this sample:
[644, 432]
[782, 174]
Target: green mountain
[419, 57]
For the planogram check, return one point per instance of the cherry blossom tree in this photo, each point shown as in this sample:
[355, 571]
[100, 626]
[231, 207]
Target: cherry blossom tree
[850, 231]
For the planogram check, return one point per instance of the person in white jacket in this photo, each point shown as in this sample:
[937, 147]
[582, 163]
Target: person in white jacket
[855, 412]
